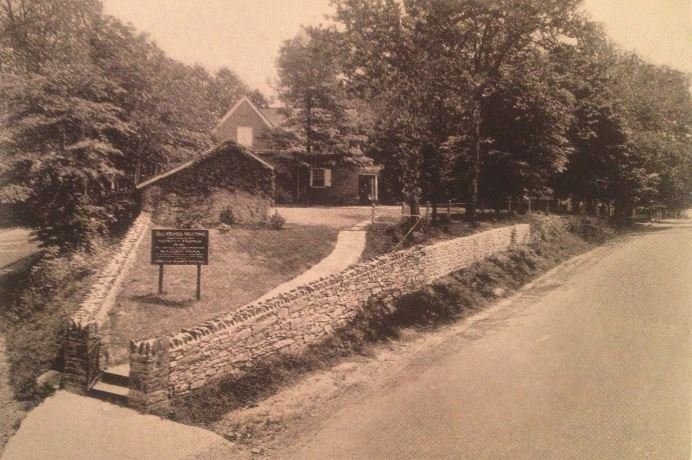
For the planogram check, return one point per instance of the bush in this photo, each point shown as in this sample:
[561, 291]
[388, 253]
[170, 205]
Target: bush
[276, 221]
[64, 216]
[224, 228]
[38, 300]
[227, 217]
[190, 218]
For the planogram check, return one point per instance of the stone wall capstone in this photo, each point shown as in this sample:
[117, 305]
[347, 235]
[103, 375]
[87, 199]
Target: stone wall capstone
[292, 321]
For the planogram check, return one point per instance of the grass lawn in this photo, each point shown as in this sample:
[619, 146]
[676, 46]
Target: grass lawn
[243, 264]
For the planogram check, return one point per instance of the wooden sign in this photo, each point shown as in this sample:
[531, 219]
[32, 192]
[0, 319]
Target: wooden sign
[180, 247]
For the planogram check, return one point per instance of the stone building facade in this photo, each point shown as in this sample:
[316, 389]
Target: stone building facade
[227, 177]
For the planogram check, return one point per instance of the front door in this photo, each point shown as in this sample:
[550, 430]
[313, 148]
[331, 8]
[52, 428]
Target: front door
[366, 189]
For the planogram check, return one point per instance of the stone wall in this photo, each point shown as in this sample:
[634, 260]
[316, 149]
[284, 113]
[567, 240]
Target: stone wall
[291, 321]
[174, 210]
[86, 340]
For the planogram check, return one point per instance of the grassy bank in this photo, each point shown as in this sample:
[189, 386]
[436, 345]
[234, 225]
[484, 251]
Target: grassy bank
[448, 299]
[244, 263]
[38, 296]
[382, 238]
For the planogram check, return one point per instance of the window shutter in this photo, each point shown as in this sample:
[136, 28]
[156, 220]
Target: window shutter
[327, 177]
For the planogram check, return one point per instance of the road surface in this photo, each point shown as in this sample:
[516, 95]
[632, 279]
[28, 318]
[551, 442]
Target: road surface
[15, 244]
[593, 362]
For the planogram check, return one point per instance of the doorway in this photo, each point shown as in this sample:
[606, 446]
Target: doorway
[367, 188]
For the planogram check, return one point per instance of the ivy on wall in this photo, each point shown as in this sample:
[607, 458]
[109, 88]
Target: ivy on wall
[187, 197]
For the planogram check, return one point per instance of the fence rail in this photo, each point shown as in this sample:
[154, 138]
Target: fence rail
[450, 208]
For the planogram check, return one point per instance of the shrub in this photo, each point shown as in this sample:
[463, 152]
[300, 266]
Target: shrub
[227, 217]
[50, 288]
[276, 221]
[224, 228]
[189, 218]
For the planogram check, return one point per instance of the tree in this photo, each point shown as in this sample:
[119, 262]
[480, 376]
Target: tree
[446, 69]
[310, 88]
[225, 89]
[475, 49]
[63, 158]
[62, 129]
[630, 129]
[87, 107]
[658, 109]
[36, 33]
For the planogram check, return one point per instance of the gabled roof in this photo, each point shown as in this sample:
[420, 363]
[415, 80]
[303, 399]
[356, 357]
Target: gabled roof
[275, 115]
[206, 154]
[244, 99]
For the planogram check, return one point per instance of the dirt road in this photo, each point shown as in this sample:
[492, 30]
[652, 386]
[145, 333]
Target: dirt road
[593, 362]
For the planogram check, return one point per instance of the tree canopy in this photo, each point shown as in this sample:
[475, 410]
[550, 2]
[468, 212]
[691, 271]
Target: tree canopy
[490, 100]
[469, 99]
[89, 106]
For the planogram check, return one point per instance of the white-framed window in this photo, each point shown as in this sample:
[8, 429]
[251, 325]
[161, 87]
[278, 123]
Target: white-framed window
[245, 135]
[320, 177]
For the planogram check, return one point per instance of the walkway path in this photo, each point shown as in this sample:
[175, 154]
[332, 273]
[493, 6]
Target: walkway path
[339, 217]
[347, 251]
[71, 427]
[350, 241]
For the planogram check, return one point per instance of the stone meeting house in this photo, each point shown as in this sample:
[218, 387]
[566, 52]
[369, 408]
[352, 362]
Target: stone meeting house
[301, 177]
[226, 178]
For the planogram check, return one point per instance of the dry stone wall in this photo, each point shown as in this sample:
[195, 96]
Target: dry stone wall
[87, 332]
[291, 321]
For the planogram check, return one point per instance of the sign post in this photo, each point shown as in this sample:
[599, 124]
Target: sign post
[199, 281]
[160, 279]
[180, 247]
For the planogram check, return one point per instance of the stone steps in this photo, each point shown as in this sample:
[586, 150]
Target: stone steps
[113, 385]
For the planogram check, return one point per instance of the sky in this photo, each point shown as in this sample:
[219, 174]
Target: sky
[245, 35]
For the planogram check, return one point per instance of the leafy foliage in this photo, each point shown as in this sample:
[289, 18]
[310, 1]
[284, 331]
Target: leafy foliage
[276, 221]
[89, 107]
[488, 100]
[321, 117]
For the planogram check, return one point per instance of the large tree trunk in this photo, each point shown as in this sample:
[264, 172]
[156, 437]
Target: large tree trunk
[414, 208]
[623, 208]
[472, 203]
